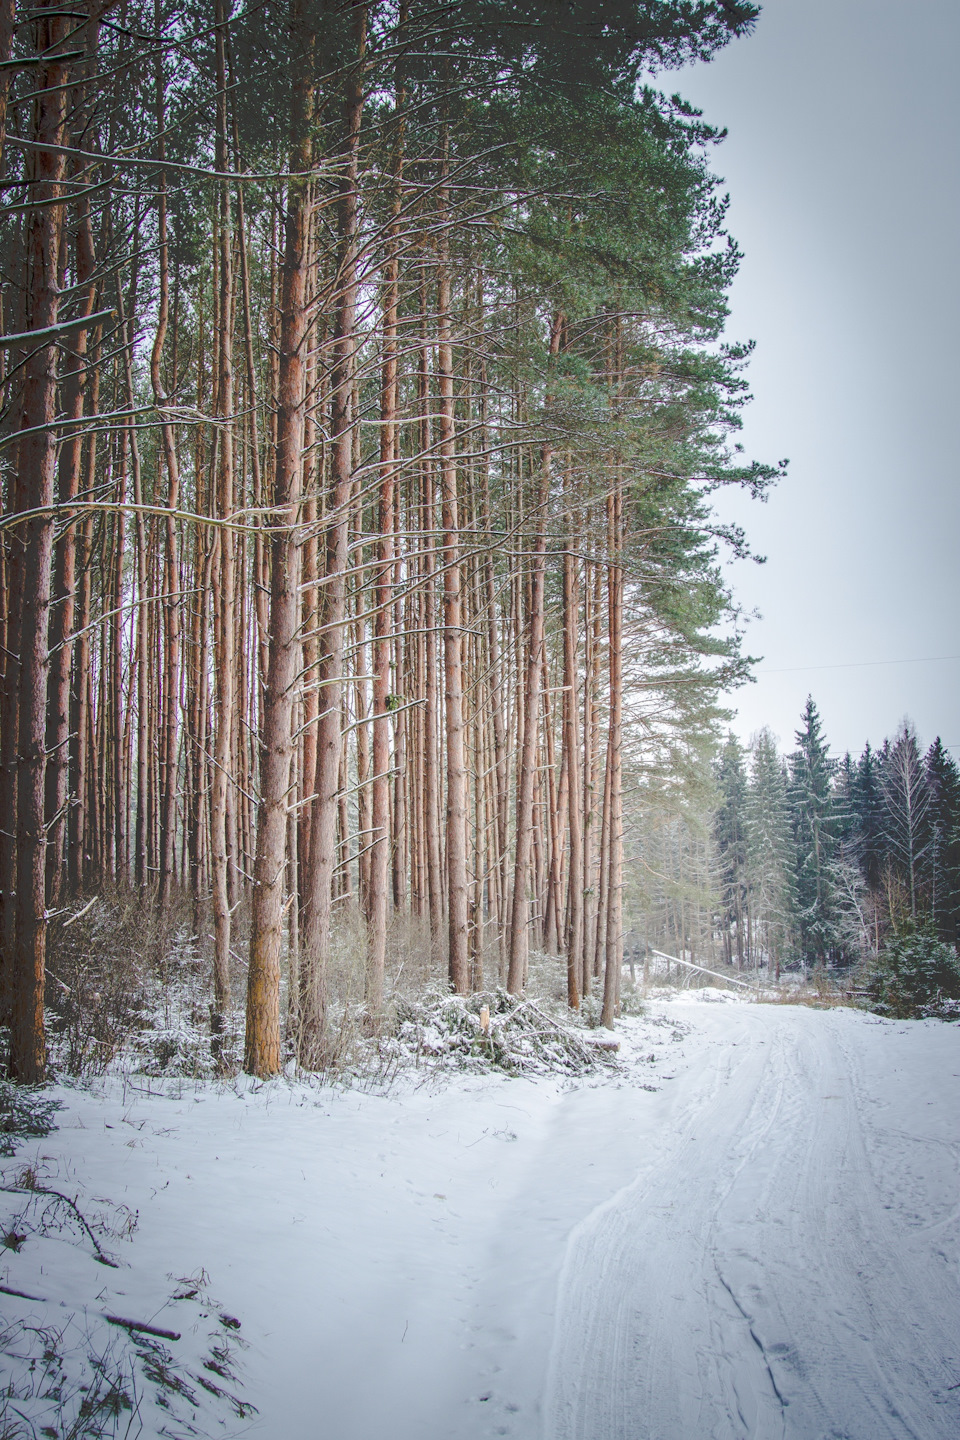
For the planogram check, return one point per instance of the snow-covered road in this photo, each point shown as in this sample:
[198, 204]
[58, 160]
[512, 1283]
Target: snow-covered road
[785, 1262]
[754, 1233]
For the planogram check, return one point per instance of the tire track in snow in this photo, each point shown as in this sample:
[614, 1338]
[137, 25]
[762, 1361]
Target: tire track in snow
[749, 1282]
[637, 1303]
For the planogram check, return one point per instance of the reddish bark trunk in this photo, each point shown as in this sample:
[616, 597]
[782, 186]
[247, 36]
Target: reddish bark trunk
[319, 873]
[262, 1051]
[35, 485]
[526, 776]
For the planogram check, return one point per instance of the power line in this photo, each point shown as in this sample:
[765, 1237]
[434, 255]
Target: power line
[861, 664]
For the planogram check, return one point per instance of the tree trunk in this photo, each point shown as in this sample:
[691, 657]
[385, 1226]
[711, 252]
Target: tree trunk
[458, 960]
[431, 712]
[614, 906]
[171, 598]
[224, 592]
[519, 916]
[73, 389]
[383, 613]
[35, 482]
[571, 748]
[319, 874]
[262, 1052]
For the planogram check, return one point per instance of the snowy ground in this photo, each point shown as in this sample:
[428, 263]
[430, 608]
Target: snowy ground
[752, 1231]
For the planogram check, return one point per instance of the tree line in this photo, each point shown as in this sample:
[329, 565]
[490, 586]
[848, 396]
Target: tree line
[825, 861]
[363, 392]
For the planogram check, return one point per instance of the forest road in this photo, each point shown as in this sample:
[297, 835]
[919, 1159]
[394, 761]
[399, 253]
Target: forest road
[784, 1264]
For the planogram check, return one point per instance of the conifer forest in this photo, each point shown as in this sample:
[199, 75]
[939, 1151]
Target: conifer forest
[364, 393]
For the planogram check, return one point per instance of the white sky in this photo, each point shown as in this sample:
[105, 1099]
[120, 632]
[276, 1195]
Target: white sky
[842, 166]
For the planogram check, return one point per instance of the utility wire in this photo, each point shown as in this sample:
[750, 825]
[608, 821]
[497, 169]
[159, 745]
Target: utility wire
[861, 664]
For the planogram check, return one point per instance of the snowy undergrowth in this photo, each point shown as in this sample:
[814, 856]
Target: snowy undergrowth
[92, 1343]
[127, 999]
[137, 1004]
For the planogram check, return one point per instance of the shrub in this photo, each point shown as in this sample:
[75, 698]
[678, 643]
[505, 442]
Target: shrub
[98, 983]
[917, 974]
[24, 1111]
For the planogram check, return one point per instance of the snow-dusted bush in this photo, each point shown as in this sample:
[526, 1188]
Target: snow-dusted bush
[591, 1008]
[24, 1111]
[917, 974]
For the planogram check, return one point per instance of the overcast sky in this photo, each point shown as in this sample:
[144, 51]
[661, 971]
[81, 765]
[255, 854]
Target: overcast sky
[842, 166]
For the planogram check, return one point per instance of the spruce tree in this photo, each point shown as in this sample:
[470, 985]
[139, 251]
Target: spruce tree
[770, 852]
[813, 808]
[867, 805]
[941, 865]
[731, 839]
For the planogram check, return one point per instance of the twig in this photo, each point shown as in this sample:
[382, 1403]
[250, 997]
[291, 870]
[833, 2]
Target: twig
[80, 913]
[102, 1256]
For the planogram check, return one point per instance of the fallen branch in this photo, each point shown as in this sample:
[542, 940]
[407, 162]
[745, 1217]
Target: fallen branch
[22, 1295]
[102, 1256]
[727, 979]
[139, 1326]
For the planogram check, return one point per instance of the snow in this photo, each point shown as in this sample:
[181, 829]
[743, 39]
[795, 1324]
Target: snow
[750, 1228]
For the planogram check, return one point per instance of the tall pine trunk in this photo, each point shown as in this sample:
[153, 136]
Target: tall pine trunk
[319, 872]
[171, 585]
[526, 776]
[35, 489]
[614, 824]
[224, 593]
[458, 961]
[73, 392]
[571, 750]
[383, 617]
[262, 1051]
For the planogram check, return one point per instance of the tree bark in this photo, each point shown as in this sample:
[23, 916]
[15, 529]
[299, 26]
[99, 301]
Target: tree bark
[8, 15]
[614, 905]
[519, 911]
[35, 487]
[383, 616]
[571, 746]
[224, 593]
[319, 874]
[171, 599]
[458, 960]
[262, 1052]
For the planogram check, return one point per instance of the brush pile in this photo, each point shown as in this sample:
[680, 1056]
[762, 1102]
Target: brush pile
[492, 1031]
